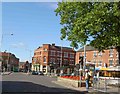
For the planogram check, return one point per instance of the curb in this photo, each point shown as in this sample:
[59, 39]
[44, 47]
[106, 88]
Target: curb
[7, 73]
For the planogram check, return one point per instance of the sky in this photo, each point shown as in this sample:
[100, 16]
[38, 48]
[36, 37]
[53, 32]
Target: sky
[32, 24]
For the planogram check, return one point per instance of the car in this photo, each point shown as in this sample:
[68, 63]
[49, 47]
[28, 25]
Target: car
[40, 73]
[34, 73]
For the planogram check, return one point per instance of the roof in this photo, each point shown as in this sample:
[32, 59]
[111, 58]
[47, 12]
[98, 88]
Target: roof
[59, 47]
[87, 48]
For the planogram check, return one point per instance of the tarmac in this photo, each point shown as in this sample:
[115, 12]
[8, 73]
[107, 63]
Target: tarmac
[110, 89]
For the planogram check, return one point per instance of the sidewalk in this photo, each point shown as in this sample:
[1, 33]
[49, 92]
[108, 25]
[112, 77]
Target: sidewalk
[6, 73]
[111, 90]
[72, 87]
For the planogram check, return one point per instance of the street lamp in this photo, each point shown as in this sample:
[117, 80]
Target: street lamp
[84, 58]
[61, 62]
[2, 36]
[29, 58]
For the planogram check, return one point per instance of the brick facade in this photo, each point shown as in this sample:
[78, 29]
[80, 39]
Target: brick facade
[9, 61]
[49, 57]
[107, 58]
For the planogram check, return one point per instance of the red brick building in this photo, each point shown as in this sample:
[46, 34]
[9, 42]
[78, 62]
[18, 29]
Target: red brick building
[107, 58]
[9, 61]
[53, 57]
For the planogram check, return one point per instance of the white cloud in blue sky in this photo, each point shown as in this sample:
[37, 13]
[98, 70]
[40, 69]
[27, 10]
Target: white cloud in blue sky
[53, 5]
[32, 24]
[18, 45]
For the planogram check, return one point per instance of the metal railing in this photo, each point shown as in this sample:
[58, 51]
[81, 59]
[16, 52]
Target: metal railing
[100, 84]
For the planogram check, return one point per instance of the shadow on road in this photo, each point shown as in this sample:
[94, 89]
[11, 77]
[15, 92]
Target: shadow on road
[21, 87]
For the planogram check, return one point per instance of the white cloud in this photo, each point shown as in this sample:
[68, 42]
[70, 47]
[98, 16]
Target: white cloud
[18, 45]
[53, 5]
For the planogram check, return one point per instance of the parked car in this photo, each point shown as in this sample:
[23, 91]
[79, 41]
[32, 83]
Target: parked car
[34, 73]
[40, 73]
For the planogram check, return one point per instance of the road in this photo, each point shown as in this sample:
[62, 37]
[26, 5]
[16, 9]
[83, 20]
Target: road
[21, 83]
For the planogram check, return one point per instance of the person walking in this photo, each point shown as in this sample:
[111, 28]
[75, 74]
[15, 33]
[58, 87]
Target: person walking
[87, 79]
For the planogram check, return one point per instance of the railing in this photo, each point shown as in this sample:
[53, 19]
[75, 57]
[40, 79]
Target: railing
[103, 84]
[100, 84]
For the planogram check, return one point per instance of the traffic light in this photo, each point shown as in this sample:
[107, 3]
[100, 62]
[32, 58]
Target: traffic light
[81, 60]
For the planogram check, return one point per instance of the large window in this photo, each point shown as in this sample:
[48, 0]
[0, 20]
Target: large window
[58, 60]
[71, 55]
[65, 54]
[71, 62]
[111, 62]
[52, 60]
[44, 59]
[94, 54]
[65, 61]
[111, 52]
[52, 53]
[58, 53]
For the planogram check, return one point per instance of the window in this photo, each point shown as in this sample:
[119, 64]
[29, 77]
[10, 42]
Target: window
[65, 61]
[94, 53]
[71, 62]
[34, 59]
[100, 53]
[99, 63]
[94, 62]
[58, 60]
[65, 54]
[52, 53]
[117, 61]
[52, 60]
[111, 52]
[116, 54]
[58, 53]
[71, 55]
[40, 53]
[44, 59]
[111, 62]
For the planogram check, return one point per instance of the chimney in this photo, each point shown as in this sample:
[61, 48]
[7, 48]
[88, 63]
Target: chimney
[53, 44]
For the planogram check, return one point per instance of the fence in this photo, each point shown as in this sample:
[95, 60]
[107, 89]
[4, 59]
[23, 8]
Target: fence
[102, 84]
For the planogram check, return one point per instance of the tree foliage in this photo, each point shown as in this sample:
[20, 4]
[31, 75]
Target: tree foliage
[97, 22]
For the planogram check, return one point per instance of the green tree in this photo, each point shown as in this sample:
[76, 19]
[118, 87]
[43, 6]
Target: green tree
[96, 22]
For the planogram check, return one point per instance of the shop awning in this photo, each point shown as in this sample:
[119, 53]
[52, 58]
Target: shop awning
[103, 68]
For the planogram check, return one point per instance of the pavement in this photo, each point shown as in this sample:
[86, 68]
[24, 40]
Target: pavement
[5, 73]
[110, 89]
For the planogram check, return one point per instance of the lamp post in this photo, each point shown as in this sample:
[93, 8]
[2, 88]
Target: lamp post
[29, 58]
[84, 58]
[61, 62]
[2, 36]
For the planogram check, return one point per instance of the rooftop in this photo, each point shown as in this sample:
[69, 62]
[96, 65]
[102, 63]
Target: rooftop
[87, 48]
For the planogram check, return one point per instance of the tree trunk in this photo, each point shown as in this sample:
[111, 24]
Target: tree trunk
[118, 49]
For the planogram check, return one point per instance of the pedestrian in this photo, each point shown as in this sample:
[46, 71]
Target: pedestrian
[87, 78]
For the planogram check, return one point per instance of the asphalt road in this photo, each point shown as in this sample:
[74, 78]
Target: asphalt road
[21, 83]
